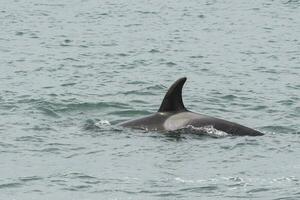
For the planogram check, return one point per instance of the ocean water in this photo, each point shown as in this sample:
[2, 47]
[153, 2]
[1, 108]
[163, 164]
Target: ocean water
[71, 70]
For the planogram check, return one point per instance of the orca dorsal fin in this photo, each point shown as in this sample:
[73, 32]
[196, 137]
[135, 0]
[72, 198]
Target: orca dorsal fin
[173, 99]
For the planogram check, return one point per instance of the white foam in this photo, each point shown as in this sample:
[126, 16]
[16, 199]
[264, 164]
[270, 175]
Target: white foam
[208, 130]
[102, 123]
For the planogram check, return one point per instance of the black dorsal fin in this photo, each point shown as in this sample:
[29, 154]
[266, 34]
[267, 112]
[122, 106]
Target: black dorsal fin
[173, 99]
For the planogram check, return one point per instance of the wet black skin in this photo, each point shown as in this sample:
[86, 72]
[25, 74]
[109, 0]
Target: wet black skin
[172, 115]
[155, 122]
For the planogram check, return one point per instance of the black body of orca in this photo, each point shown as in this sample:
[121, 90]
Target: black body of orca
[172, 115]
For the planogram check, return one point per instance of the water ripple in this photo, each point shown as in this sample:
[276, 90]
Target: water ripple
[70, 72]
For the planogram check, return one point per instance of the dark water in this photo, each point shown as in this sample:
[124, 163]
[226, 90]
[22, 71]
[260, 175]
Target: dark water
[70, 70]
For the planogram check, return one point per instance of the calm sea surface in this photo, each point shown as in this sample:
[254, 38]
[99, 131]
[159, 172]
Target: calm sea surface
[71, 70]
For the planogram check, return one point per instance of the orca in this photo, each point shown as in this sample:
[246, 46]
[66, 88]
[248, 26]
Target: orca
[172, 115]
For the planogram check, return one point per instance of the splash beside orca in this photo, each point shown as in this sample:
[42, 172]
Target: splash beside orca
[172, 115]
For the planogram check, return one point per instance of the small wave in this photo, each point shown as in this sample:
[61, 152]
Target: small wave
[229, 97]
[171, 63]
[67, 84]
[88, 106]
[77, 187]
[130, 113]
[144, 91]
[51, 150]
[54, 109]
[292, 2]
[30, 138]
[10, 185]
[259, 107]
[278, 129]
[7, 145]
[154, 51]
[258, 190]
[208, 188]
[78, 175]
[138, 92]
[136, 82]
[49, 112]
[30, 178]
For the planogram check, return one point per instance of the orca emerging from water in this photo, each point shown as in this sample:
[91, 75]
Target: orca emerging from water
[172, 116]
